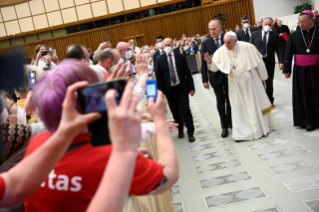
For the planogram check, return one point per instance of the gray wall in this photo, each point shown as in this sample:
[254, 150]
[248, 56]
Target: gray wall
[315, 4]
[277, 8]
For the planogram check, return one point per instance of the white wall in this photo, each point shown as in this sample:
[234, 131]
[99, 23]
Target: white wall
[315, 4]
[277, 8]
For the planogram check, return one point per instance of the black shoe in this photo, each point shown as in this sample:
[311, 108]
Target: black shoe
[225, 133]
[191, 138]
[303, 126]
[230, 125]
[310, 128]
[181, 134]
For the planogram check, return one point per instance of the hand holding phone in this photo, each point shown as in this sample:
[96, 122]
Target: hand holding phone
[92, 99]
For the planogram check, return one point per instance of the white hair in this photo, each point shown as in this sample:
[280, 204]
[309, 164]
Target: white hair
[232, 34]
[215, 20]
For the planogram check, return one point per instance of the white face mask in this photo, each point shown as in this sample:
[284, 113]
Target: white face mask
[266, 28]
[168, 50]
[160, 44]
[246, 25]
[128, 55]
[3, 116]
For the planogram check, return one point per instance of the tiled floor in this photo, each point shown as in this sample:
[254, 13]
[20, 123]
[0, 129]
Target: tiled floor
[279, 172]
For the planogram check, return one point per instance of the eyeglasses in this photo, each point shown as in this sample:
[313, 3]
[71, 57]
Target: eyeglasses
[302, 22]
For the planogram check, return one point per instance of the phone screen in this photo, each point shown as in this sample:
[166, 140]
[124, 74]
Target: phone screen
[151, 90]
[32, 78]
[44, 53]
[92, 97]
[133, 69]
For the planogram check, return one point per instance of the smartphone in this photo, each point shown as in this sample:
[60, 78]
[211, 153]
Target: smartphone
[32, 78]
[92, 99]
[151, 88]
[54, 52]
[44, 53]
[108, 38]
[133, 69]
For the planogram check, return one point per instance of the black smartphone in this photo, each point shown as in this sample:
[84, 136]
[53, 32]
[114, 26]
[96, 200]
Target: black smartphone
[44, 53]
[32, 78]
[92, 99]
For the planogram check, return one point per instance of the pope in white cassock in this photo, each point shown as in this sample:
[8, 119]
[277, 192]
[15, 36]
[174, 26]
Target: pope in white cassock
[250, 106]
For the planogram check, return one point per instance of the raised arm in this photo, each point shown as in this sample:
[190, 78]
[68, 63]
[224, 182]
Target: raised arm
[165, 146]
[24, 178]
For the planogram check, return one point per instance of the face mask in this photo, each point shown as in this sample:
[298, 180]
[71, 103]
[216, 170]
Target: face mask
[3, 116]
[246, 25]
[168, 50]
[112, 68]
[128, 55]
[160, 44]
[266, 28]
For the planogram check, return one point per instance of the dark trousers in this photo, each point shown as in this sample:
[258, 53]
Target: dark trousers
[270, 66]
[223, 105]
[179, 104]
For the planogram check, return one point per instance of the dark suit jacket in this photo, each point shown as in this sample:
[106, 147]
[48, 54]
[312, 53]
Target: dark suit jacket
[241, 35]
[163, 75]
[317, 20]
[155, 56]
[216, 78]
[195, 49]
[273, 45]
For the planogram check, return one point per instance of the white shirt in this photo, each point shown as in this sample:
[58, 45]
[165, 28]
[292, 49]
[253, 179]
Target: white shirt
[42, 64]
[175, 70]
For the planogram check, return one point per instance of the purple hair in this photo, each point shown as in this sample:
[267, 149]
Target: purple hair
[50, 90]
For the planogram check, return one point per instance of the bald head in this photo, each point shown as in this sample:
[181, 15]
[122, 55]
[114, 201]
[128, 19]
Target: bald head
[214, 28]
[122, 48]
[315, 13]
[279, 22]
[168, 42]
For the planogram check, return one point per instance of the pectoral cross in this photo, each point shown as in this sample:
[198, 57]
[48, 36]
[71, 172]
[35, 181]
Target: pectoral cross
[308, 51]
[234, 67]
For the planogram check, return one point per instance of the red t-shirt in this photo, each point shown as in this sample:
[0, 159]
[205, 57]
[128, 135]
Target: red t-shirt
[72, 183]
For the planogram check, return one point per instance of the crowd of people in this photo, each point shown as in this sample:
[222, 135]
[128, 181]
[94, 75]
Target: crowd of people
[47, 162]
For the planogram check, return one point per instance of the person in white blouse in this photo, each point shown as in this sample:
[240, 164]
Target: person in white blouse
[43, 59]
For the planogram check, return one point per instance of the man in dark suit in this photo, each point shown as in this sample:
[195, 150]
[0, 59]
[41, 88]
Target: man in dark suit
[245, 33]
[175, 80]
[218, 80]
[267, 43]
[160, 50]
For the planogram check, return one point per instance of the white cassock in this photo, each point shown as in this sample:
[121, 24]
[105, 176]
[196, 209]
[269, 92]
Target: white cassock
[250, 106]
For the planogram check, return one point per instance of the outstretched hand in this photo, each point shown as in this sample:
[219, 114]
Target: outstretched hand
[208, 58]
[124, 120]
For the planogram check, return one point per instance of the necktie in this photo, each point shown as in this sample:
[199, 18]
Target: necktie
[247, 34]
[217, 43]
[264, 49]
[171, 67]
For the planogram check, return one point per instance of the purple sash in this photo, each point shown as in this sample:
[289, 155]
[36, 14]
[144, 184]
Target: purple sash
[307, 60]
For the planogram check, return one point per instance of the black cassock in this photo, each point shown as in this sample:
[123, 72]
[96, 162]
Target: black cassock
[305, 76]
[283, 29]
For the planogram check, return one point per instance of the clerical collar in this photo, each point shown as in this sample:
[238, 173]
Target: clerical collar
[310, 30]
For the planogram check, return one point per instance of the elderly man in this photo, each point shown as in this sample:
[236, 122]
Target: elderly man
[316, 16]
[107, 59]
[125, 51]
[284, 33]
[303, 45]
[218, 80]
[249, 102]
[175, 80]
